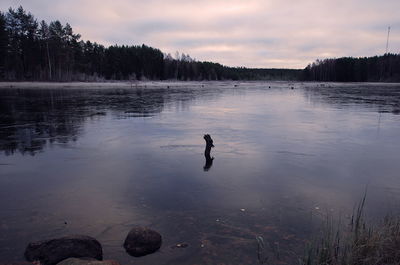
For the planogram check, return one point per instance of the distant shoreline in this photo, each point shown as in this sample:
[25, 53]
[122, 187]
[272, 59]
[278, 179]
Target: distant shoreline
[173, 84]
[102, 84]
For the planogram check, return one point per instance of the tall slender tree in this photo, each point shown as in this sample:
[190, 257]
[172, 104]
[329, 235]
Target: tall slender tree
[3, 45]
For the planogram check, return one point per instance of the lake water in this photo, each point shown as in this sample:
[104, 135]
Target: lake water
[98, 161]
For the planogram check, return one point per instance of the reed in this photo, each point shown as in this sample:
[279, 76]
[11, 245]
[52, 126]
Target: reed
[357, 243]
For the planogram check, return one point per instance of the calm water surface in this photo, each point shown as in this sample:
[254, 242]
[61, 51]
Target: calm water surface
[100, 161]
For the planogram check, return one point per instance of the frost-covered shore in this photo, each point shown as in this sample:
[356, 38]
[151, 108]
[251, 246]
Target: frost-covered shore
[116, 84]
[186, 84]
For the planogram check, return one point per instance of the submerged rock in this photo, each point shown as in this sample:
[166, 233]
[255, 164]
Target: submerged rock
[75, 261]
[50, 252]
[142, 241]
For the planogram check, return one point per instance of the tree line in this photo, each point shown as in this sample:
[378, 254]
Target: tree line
[32, 50]
[385, 68]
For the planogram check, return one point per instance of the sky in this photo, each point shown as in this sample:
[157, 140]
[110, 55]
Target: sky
[249, 33]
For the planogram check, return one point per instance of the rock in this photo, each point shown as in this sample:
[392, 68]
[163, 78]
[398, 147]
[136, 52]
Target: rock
[75, 261]
[50, 252]
[142, 241]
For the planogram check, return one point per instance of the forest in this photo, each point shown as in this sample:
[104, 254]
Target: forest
[32, 50]
[41, 51]
[385, 68]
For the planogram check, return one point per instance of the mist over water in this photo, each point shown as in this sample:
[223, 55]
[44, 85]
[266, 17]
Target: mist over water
[99, 161]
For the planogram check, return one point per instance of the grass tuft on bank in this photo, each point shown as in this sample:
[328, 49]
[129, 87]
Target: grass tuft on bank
[357, 243]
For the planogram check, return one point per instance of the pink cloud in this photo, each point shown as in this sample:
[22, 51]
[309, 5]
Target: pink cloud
[252, 33]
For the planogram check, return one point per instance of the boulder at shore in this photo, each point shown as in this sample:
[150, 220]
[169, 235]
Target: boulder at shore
[142, 241]
[74, 261]
[50, 252]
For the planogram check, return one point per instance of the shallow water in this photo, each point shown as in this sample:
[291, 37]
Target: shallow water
[100, 161]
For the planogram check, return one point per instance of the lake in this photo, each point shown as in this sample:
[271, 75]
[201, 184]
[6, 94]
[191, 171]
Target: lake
[100, 160]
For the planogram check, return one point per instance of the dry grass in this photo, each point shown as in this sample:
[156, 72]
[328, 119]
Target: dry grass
[357, 243]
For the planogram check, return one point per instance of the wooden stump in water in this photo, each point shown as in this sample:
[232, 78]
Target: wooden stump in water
[209, 145]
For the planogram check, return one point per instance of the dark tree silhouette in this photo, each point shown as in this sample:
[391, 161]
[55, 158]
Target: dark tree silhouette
[384, 68]
[53, 52]
[3, 45]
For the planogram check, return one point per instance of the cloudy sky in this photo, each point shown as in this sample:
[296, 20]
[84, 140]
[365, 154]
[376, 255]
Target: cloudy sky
[251, 33]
